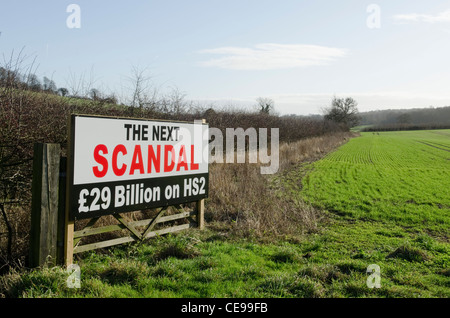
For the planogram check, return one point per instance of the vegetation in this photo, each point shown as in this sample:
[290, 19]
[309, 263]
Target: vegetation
[403, 126]
[327, 257]
[311, 230]
[332, 263]
[343, 111]
[400, 177]
[265, 105]
[407, 119]
[28, 116]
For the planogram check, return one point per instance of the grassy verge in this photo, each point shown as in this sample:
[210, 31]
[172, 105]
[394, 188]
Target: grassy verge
[329, 264]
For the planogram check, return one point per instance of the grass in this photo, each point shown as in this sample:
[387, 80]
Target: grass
[388, 200]
[210, 268]
[401, 177]
[321, 266]
[384, 199]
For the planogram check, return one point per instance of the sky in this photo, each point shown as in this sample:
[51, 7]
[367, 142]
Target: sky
[385, 54]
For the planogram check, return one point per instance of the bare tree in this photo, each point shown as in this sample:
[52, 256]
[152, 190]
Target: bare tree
[33, 82]
[81, 85]
[265, 105]
[177, 103]
[16, 70]
[49, 85]
[343, 111]
[140, 85]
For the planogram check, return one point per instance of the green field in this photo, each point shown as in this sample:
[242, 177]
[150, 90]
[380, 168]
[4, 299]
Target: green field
[385, 200]
[401, 177]
[388, 199]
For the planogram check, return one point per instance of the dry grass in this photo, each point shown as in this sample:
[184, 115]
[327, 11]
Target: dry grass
[257, 205]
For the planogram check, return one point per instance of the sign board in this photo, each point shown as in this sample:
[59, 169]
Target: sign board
[123, 165]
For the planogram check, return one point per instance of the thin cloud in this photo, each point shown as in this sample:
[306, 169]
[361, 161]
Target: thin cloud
[441, 17]
[270, 56]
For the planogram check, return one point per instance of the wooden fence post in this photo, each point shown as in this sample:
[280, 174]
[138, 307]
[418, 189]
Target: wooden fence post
[44, 205]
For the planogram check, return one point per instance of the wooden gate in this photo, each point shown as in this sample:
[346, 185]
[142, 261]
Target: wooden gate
[137, 230]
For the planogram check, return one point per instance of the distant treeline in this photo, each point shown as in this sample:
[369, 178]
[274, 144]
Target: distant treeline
[397, 127]
[422, 118]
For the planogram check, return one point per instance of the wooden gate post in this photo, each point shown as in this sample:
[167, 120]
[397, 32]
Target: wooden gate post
[69, 225]
[201, 206]
[201, 214]
[68, 241]
[44, 205]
